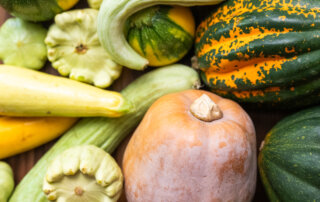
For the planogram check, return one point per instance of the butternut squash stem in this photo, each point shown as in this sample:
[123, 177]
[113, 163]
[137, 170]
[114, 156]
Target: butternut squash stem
[205, 109]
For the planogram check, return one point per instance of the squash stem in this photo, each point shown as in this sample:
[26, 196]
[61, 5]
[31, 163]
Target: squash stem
[205, 109]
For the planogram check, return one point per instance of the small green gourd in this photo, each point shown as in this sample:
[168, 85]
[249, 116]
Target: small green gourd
[83, 173]
[22, 44]
[6, 181]
[75, 51]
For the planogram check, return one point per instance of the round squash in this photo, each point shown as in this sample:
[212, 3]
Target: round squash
[191, 146]
[289, 160]
[262, 52]
[6, 181]
[161, 34]
[37, 10]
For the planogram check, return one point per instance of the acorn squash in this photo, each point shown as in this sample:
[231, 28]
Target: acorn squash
[262, 51]
[161, 34]
[37, 10]
[289, 160]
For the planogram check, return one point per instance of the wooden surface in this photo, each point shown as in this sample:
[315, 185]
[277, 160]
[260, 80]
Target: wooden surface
[263, 120]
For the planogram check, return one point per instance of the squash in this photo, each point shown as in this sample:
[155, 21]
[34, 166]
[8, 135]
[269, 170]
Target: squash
[75, 51]
[85, 173]
[262, 52]
[112, 18]
[37, 10]
[22, 43]
[107, 133]
[6, 181]
[289, 156]
[191, 146]
[161, 34]
[19, 134]
[26, 92]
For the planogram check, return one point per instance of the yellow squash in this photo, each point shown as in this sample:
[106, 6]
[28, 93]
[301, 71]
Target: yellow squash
[25, 92]
[19, 134]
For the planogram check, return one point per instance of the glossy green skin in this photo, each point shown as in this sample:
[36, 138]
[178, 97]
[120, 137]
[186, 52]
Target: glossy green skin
[289, 162]
[32, 10]
[107, 133]
[304, 37]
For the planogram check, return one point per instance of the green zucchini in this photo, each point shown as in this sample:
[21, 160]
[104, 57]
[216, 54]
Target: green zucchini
[107, 133]
[6, 181]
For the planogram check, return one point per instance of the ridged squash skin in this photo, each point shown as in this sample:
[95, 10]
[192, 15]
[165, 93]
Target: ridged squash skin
[36, 10]
[161, 34]
[262, 51]
[19, 134]
[289, 160]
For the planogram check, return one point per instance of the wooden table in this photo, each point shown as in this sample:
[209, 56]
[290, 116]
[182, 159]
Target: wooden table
[263, 120]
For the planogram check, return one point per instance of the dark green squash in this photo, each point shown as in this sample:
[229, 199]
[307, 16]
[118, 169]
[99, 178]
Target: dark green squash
[36, 10]
[262, 51]
[289, 160]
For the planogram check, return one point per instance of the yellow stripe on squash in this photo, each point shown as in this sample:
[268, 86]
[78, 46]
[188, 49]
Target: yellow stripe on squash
[183, 17]
[67, 4]
[19, 134]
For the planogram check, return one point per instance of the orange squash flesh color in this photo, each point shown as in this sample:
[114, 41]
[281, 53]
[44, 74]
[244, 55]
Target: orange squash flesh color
[174, 156]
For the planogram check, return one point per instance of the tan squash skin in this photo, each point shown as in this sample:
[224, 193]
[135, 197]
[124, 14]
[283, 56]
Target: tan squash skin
[174, 157]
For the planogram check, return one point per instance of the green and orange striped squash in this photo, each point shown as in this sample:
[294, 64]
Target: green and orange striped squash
[37, 10]
[161, 34]
[289, 160]
[262, 51]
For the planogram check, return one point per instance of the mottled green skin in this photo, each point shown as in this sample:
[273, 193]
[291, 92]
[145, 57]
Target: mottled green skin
[32, 10]
[153, 24]
[302, 65]
[289, 162]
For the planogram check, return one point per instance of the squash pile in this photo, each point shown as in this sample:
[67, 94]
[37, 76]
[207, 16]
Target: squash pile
[179, 143]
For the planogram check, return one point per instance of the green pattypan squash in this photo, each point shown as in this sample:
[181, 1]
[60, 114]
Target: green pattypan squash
[83, 173]
[75, 51]
[22, 44]
[6, 181]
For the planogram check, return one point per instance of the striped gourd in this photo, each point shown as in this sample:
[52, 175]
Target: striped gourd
[262, 51]
[161, 34]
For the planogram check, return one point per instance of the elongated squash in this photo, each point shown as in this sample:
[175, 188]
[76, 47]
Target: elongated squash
[107, 133]
[24, 92]
[19, 134]
[262, 51]
[112, 18]
[6, 181]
